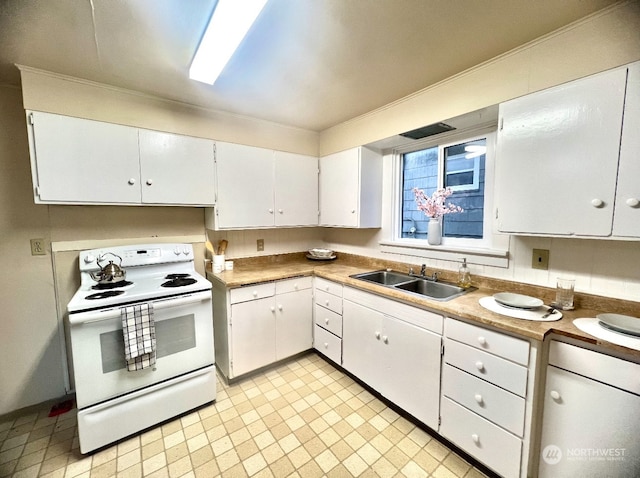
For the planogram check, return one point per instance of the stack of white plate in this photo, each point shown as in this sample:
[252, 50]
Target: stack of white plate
[319, 254]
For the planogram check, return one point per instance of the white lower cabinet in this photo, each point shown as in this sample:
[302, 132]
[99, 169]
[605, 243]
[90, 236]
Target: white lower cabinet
[591, 415]
[395, 349]
[327, 318]
[487, 396]
[259, 324]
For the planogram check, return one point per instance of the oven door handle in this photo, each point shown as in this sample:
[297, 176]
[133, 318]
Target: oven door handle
[112, 313]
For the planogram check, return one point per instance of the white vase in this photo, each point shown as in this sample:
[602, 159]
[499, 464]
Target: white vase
[434, 232]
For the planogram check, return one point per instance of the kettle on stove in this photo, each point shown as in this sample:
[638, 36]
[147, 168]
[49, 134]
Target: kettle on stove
[110, 273]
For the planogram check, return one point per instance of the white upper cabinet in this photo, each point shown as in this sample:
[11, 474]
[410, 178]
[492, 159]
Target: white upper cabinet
[557, 158]
[296, 189]
[176, 169]
[627, 208]
[351, 189]
[79, 161]
[74, 160]
[259, 188]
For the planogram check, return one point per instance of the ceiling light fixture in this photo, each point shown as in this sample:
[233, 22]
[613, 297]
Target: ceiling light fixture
[227, 27]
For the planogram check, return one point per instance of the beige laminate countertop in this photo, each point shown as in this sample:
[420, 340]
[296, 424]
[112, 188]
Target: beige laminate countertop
[464, 307]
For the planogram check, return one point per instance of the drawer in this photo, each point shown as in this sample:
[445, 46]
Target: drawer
[500, 372]
[328, 319]
[490, 444]
[292, 285]
[493, 403]
[327, 344]
[252, 291]
[604, 368]
[328, 286]
[505, 346]
[329, 301]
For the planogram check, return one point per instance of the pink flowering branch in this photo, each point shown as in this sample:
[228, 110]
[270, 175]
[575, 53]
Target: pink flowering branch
[435, 206]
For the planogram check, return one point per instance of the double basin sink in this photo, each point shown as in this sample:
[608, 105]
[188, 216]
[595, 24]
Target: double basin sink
[424, 287]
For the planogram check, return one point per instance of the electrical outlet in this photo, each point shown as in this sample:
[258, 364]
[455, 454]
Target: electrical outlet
[38, 248]
[540, 259]
[260, 244]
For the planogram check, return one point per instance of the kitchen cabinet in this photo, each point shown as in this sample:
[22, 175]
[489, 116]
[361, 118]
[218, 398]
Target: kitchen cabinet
[259, 324]
[395, 349]
[591, 414]
[79, 161]
[560, 166]
[327, 318]
[486, 404]
[351, 189]
[259, 188]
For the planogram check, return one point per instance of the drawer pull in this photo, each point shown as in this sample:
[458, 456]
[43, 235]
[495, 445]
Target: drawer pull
[378, 335]
[326, 321]
[475, 438]
[385, 339]
[479, 398]
[480, 366]
[326, 345]
[555, 395]
[327, 288]
[482, 341]
[327, 303]
[255, 293]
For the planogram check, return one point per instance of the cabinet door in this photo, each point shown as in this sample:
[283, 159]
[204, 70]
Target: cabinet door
[294, 324]
[253, 335]
[557, 158]
[411, 373]
[296, 189]
[245, 186]
[361, 339]
[176, 169]
[588, 428]
[75, 160]
[340, 188]
[627, 212]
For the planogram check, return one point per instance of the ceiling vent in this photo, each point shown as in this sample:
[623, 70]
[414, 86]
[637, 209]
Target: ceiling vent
[426, 131]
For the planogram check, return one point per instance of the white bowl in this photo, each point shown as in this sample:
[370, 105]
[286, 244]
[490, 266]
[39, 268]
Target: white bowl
[321, 252]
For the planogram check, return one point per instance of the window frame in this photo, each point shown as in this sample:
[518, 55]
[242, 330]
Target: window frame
[492, 249]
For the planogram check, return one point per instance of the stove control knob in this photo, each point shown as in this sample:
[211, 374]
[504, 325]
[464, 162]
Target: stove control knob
[176, 251]
[185, 251]
[89, 258]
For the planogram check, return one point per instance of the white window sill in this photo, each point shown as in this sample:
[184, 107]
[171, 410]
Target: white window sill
[485, 257]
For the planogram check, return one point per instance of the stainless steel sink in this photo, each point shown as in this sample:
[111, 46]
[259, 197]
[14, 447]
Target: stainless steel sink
[384, 277]
[435, 290]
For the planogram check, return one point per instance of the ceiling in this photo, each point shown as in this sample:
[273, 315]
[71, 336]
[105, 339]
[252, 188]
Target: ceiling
[305, 63]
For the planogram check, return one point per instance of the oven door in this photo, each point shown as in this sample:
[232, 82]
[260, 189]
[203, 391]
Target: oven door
[184, 342]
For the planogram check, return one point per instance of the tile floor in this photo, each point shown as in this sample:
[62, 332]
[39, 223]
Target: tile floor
[304, 418]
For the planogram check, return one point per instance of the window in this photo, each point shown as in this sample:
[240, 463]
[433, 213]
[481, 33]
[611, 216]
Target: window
[459, 165]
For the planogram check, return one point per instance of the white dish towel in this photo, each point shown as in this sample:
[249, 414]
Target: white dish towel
[139, 332]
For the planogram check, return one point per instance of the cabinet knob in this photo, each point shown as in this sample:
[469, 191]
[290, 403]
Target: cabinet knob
[327, 288]
[597, 202]
[273, 309]
[479, 398]
[385, 339]
[280, 211]
[149, 182]
[255, 293]
[482, 341]
[475, 438]
[353, 211]
[327, 302]
[480, 366]
[632, 202]
[326, 321]
[270, 211]
[378, 335]
[326, 345]
[555, 395]
[132, 181]
[279, 306]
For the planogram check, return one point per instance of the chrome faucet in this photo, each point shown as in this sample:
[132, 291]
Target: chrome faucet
[423, 271]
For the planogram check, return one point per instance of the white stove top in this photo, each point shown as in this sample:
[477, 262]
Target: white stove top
[146, 266]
